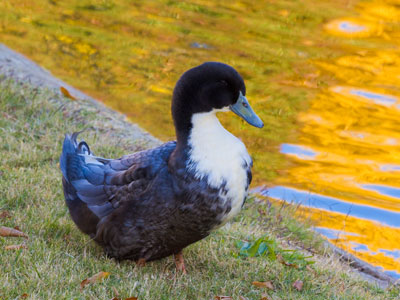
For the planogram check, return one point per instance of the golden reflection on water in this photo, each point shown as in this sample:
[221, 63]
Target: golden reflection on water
[349, 145]
[368, 240]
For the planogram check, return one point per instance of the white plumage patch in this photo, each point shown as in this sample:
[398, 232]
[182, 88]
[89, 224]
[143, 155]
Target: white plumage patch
[219, 155]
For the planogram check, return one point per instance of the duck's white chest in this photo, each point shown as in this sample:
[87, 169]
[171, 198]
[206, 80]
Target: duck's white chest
[220, 157]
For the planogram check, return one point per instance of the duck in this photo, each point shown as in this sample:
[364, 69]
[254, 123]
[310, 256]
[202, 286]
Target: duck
[153, 203]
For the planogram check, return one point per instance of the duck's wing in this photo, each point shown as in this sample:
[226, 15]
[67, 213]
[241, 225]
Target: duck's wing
[103, 184]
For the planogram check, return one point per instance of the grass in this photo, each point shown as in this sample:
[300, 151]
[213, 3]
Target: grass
[58, 257]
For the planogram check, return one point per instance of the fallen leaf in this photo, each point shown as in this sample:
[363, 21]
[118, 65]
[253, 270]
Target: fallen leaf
[298, 285]
[15, 247]
[261, 211]
[4, 214]
[6, 231]
[282, 261]
[97, 277]
[24, 295]
[131, 298]
[265, 297]
[223, 298]
[66, 93]
[263, 284]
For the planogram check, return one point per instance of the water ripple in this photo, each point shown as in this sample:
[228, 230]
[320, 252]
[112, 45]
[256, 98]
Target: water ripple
[318, 201]
[383, 190]
[298, 151]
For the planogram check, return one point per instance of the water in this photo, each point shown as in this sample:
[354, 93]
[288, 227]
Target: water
[331, 204]
[351, 27]
[346, 164]
[298, 151]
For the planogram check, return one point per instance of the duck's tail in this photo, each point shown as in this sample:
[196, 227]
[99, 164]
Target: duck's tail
[69, 150]
[72, 164]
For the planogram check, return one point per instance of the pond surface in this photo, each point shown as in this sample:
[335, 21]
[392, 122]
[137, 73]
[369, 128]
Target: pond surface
[346, 163]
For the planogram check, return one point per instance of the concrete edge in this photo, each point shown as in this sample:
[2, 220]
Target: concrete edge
[21, 69]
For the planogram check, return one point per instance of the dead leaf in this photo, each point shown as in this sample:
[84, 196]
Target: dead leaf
[263, 284]
[262, 212]
[298, 285]
[131, 298]
[7, 231]
[282, 261]
[66, 93]
[97, 277]
[223, 298]
[265, 297]
[24, 295]
[16, 247]
[4, 214]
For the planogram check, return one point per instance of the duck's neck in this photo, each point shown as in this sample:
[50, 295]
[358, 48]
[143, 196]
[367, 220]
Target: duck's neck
[199, 126]
[213, 152]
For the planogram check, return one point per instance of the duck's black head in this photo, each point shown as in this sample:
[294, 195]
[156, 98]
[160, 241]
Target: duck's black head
[210, 86]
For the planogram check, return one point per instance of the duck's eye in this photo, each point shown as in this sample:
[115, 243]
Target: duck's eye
[223, 82]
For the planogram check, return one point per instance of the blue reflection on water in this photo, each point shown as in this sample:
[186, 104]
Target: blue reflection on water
[359, 247]
[297, 150]
[377, 98]
[329, 233]
[333, 234]
[351, 27]
[394, 253]
[358, 135]
[305, 198]
[392, 273]
[388, 168]
[383, 189]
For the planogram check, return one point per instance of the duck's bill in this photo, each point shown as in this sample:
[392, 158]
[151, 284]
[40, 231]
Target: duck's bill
[243, 109]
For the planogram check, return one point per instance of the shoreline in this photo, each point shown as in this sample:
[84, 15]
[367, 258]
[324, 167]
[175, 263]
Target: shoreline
[20, 68]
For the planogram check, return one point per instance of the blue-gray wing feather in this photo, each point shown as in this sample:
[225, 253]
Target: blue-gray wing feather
[102, 183]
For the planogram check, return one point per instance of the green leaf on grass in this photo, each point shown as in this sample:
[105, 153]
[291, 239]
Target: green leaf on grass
[266, 247]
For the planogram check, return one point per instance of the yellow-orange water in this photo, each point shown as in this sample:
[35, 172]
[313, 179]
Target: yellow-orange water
[346, 163]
